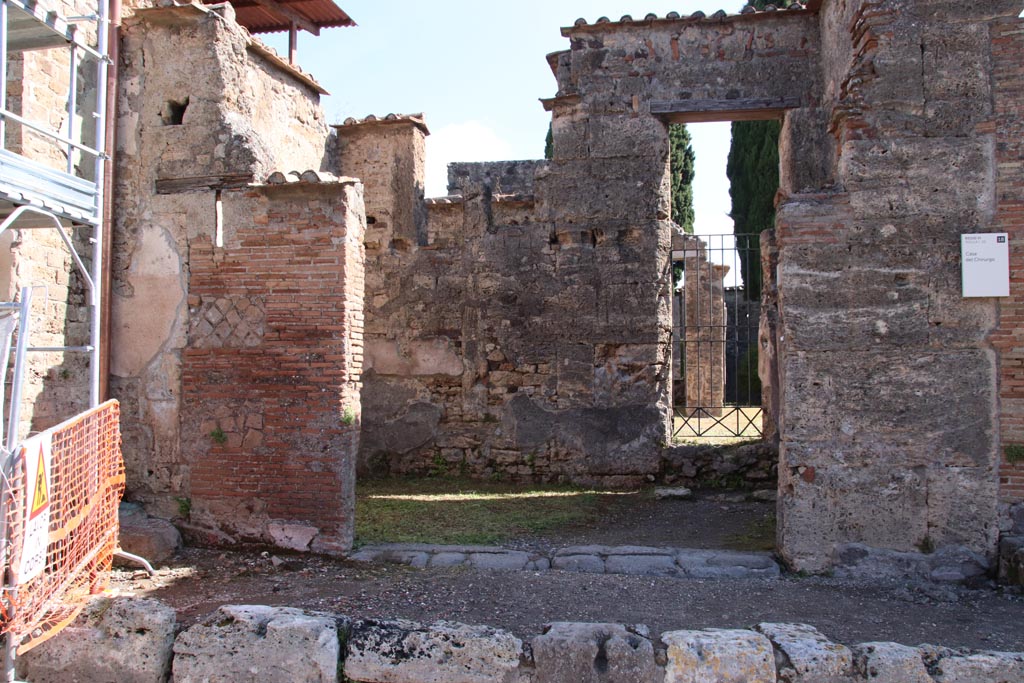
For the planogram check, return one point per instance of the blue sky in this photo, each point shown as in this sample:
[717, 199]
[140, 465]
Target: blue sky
[477, 70]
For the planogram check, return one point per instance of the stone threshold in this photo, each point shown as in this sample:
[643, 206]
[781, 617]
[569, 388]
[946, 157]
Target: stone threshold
[591, 559]
[137, 640]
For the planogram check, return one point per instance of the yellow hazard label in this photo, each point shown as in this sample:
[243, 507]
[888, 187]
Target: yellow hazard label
[41, 497]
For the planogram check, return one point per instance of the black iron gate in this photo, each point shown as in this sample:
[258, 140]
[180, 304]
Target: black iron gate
[716, 307]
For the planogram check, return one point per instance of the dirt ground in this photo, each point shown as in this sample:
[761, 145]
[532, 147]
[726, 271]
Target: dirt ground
[200, 580]
[711, 519]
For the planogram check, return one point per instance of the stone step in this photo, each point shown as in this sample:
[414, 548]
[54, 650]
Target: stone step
[592, 559]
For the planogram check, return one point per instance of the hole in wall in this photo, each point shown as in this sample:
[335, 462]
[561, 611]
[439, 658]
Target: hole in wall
[173, 112]
[370, 220]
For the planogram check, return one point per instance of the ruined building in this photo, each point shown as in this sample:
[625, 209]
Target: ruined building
[286, 304]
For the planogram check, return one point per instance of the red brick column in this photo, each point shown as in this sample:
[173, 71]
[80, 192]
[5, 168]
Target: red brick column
[1008, 339]
[271, 370]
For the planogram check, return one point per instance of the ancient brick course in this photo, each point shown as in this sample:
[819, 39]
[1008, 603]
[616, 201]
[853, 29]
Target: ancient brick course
[1008, 338]
[271, 423]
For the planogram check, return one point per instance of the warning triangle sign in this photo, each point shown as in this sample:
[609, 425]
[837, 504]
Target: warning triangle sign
[41, 495]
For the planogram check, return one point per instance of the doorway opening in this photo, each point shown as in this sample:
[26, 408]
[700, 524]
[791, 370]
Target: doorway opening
[717, 279]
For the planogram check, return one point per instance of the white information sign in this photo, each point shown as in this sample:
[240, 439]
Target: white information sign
[985, 264]
[37, 455]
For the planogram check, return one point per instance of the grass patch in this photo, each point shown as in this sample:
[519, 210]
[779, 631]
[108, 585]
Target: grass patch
[462, 511]
[759, 535]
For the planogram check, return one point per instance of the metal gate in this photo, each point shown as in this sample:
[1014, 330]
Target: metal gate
[716, 307]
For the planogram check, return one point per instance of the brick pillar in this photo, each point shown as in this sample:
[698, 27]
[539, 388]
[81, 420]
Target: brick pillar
[1008, 338]
[271, 369]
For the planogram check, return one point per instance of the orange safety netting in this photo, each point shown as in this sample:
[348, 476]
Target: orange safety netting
[86, 483]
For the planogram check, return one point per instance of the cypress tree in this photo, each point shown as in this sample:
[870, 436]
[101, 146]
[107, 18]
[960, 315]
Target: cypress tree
[753, 172]
[682, 169]
[549, 144]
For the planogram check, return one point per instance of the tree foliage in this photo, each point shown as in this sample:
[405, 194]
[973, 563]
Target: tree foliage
[753, 172]
[682, 169]
[549, 144]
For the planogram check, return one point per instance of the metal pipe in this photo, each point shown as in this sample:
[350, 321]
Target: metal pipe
[19, 368]
[72, 106]
[98, 250]
[3, 71]
[114, 49]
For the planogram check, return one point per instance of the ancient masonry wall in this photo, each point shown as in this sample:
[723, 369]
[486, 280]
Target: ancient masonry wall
[500, 344]
[235, 305]
[1008, 338]
[874, 336]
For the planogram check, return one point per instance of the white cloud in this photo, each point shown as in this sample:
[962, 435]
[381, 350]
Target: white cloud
[466, 141]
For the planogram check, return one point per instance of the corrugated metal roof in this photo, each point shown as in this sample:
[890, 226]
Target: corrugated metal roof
[261, 18]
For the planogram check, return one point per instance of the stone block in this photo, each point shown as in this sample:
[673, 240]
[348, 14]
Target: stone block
[672, 493]
[119, 640]
[889, 663]
[603, 189]
[952, 666]
[643, 565]
[963, 506]
[150, 537]
[593, 653]
[726, 564]
[718, 656]
[255, 643]
[1011, 560]
[413, 558]
[903, 177]
[447, 559]
[442, 652]
[625, 135]
[804, 655]
[509, 559]
[588, 564]
[820, 506]
[899, 395]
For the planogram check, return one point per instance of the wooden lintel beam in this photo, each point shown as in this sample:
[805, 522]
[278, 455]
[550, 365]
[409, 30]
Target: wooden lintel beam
[203, 183]
[290, 14]
[680, 111]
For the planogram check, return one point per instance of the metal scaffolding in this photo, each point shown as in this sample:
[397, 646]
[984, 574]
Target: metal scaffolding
[35, 195]
[39, 196]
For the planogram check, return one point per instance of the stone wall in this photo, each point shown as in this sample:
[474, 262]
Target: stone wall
[236, 342]
[874, 338]
[503, 344]
[134, 640]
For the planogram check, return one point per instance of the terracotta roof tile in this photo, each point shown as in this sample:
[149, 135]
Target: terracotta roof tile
[308, 177]
[416, 119]
[720, 15]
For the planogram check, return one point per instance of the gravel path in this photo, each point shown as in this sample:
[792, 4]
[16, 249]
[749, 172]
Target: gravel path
[846, 611]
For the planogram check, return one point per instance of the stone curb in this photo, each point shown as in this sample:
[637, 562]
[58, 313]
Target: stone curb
[591, 559]
[255, 642]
